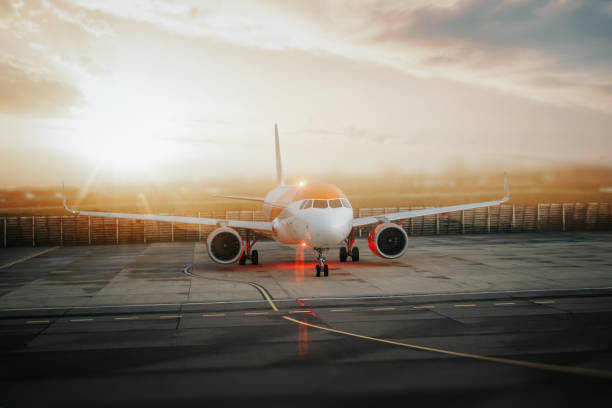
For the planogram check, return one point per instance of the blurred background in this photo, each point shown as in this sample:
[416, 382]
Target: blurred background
[156, 105]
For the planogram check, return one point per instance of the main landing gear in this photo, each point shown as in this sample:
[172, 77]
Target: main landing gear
[249, 252]
[349, 250]
[321, 254]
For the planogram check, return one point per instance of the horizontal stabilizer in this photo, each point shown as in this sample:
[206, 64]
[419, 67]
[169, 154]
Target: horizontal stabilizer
[240, 197]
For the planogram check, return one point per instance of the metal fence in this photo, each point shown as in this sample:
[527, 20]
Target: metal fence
[85, 230]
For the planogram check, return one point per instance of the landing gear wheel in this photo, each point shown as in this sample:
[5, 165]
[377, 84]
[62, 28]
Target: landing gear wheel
[243, 259]
[318, 270]
[355, 254]
[255, 257]
[325, 270]
[343, 254]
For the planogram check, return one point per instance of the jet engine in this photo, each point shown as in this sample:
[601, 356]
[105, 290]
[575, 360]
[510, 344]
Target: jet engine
[224, 245]
[388, 240]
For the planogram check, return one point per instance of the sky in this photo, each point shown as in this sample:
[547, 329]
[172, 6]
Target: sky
[157, 91]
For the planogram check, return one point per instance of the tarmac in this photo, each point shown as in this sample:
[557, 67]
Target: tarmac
[473, 320]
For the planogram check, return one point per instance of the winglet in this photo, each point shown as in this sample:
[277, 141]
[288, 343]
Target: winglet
[279, 164]
[506, 188]
[64, 201]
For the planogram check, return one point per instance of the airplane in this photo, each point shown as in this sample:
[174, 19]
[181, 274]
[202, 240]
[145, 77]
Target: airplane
[315, 215]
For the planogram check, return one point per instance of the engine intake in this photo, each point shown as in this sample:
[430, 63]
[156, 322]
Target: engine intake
[388, 241]
[224, 245]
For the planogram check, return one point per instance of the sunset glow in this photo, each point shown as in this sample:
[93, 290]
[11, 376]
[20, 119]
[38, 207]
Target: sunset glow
[170, 90]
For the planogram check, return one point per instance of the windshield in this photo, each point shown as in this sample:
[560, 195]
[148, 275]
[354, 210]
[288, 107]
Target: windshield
[335, 203]
[319, 204]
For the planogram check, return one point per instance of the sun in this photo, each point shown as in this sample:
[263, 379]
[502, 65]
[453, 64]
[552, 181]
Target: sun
[124, 127]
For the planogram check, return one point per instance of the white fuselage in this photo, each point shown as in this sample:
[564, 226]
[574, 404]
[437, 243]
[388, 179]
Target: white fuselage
[324, 224]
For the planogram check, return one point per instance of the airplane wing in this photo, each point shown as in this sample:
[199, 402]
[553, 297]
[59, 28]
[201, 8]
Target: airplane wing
[258, 226]
[240, 197]
[362, 221]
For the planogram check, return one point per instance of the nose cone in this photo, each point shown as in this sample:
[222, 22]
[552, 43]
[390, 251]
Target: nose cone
[329, 228]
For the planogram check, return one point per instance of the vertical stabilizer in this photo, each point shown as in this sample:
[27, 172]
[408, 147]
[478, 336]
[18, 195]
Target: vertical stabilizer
[506, 188]
[279, 163]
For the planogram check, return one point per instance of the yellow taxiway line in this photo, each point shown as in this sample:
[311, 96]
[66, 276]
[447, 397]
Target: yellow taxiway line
[25, 258]
[507, 361]
[264, 292]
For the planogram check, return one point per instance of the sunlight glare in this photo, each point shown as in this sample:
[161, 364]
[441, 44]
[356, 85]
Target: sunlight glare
[125, 126]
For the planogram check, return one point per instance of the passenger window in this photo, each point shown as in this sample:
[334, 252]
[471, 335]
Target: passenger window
[307, 204]
[346, 203]
[319, 204]
[335, 203]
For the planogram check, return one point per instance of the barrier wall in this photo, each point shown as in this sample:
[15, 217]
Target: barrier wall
[85, 230]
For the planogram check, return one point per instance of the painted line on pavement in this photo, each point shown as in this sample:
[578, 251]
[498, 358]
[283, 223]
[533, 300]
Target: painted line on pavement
[25, 258]
[265, 294]
[507, 361]
[262, 291]
[233, 302]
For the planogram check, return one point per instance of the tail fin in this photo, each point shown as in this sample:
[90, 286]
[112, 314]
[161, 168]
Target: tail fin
[506, 188]
[279, 164]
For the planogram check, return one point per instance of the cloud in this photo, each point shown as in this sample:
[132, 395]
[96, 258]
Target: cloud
[46, 48]
[27, 91]
[525, 40]
[573, 32]
[509, 45]
[354, 133]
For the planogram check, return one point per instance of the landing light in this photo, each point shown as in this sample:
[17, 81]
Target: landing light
[303, 243]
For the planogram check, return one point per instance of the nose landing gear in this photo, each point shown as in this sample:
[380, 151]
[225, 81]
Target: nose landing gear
[321, 255]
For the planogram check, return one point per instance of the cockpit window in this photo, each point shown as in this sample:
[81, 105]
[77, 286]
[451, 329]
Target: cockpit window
[345, 203]
[335, 203]
[307, 204]
[319, 203]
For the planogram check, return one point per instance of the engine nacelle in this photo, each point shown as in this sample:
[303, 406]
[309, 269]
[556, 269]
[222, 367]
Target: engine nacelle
[388, 241]
[224, 245]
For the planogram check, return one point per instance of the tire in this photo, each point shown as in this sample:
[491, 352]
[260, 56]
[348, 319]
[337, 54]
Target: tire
[343, 254]
[318, 267]
[255, 257]
[242, 260]
[325, 270]
[355, 254]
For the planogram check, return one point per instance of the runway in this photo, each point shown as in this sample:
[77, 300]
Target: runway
[217, 340]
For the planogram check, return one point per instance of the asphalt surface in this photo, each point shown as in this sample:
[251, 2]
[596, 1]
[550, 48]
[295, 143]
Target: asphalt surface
[484, 346]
